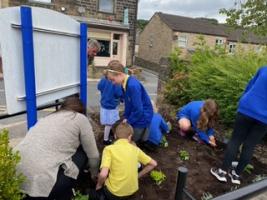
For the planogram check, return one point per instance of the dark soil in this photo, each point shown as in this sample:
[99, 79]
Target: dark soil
[202, 158]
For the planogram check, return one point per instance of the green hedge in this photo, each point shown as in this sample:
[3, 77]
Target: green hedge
[10, 181]
[217, 75]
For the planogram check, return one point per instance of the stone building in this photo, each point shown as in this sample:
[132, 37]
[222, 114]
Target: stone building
[164, 32]
[111, 22]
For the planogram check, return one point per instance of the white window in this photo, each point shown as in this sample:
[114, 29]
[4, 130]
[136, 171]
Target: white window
[41, 1]
[106, 6]
[182, 41]
[219, 41]
[232, 47]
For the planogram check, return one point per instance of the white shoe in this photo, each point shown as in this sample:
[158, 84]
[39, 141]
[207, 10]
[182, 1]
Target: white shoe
[219, 174]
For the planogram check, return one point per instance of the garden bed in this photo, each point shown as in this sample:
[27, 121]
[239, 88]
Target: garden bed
[201, 159]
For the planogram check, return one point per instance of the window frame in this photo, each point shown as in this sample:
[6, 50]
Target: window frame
[219, 39]
[100, 11]
[41, 2]
[180, 40]
[232, 50]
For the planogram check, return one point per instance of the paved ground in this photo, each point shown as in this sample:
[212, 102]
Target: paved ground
[17, 125]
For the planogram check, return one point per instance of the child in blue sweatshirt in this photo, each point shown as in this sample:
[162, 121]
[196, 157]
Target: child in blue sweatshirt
[200, 117]
[249, 128]
[157, 128]
[110, 99]
[138, 108]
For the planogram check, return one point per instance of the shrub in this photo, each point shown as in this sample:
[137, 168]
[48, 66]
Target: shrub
[79, 196]
[10, 181]
[214, 74]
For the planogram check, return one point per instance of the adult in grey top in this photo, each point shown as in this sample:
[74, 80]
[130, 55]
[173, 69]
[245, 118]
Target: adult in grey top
[50, 145]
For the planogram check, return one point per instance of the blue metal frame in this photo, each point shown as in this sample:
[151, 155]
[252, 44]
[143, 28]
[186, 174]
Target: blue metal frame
[83, 63]
[28, 59]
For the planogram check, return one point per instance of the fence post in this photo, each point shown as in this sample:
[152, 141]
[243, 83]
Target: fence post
[181, 181]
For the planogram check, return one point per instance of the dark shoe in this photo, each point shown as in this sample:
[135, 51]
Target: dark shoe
[234, 177]
[219, 174]
[107, 142]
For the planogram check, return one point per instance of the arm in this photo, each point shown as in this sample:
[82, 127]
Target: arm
[164, 126]
[137, 105]
[147, 161]
[102, 176]
[88, 143]
[151, 165]
[207, 136]
[100, 85]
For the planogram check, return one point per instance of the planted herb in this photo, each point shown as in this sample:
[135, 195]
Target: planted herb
[157, 176]
[184, 155]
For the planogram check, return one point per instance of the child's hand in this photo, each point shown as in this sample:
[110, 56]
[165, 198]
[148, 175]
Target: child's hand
[169, 126]
[124, 121]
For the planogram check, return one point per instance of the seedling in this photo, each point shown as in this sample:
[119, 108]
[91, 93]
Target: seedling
[249, 168]
[157, 176]
[79, 196]
[164, 142]
[206, 196]
[233, 188]
[184, 155]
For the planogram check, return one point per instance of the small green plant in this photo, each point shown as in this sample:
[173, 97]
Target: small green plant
[233, 188]
[184, 155]
[10, 180]
[206, 196]
[79, 196]
[249, 168]
[164, 142]
[259, 178]
[157, 176]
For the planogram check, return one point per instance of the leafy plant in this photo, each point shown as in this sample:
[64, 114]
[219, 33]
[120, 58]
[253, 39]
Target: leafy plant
[206, 196]
[10, 180]
[184, 155]
[157, 176]
[249, 168]
[79, 196]
[233, 188]
[164, 142]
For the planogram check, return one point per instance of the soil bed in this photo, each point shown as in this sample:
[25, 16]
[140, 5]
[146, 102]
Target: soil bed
[202, 158]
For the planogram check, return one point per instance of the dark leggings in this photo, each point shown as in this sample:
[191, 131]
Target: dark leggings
[62, 189]
[249, 132]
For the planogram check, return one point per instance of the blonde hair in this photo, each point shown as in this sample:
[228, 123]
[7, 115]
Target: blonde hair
[123, 130]
[208, 115]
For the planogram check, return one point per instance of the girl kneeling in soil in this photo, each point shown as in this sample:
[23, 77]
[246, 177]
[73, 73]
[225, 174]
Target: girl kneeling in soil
[110, 99]
[249, 128]
[138, 108]
[199, 117]
[55, 150]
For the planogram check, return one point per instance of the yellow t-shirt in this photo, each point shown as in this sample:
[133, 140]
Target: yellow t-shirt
[122, 159]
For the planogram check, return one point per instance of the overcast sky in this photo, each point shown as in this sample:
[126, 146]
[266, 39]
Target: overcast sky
[189, 8]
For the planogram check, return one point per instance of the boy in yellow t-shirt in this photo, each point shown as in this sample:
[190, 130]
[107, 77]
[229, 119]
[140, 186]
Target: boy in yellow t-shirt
[119, 166]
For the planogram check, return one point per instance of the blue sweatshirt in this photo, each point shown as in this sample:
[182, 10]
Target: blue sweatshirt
[158, 127]
[138, 107]
[110, 94]
[253, 102]
[191, 111]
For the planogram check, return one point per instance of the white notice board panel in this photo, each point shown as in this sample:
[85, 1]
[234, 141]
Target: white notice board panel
[56, 56]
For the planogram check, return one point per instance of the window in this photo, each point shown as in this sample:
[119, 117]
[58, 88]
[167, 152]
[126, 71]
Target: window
[106, 6]
[219, 41]
[41, 1]
[232, 47]
[105, 48]
[182, 41]
[115, 48]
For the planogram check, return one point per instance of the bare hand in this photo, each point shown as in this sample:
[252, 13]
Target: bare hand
[124, 121]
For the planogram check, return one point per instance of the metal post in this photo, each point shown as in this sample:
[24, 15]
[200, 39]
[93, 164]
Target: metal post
[28, 59]
[181, 181]
[83, 63]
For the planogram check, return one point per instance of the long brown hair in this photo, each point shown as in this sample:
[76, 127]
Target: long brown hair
[208, 115]
[74, 104]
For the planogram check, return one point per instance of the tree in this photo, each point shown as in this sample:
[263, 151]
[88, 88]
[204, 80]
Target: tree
[248, 14]
[141, 23]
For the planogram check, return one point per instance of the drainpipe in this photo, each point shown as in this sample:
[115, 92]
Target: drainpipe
[134, 36]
